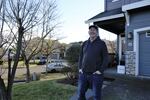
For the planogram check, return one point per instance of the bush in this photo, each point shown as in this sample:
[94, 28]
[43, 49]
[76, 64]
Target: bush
[67, 71]
[72, 56]
[71, 72]
[1, 62]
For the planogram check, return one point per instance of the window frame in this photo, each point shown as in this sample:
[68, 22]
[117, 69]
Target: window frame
[115, 0]
[148, 34]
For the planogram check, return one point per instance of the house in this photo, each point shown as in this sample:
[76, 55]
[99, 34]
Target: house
[56, 54]
[130, 21]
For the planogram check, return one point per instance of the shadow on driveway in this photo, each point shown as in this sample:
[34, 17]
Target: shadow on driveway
[127, 90]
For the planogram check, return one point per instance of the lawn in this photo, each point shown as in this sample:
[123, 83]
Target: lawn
[21, 64]
[43, 90]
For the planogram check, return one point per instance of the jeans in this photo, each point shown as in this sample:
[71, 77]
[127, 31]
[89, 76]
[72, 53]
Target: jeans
[93, 80]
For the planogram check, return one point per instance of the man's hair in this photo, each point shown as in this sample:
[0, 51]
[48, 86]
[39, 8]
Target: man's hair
[93, 26]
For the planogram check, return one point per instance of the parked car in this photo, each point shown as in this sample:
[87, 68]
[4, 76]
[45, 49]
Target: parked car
[42, 60]
[55, 66]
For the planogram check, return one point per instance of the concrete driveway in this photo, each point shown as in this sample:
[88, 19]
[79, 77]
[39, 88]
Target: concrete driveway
[127, 90]
[123, 90]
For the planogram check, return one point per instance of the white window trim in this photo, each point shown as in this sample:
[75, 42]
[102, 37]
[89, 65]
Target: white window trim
[105, 18]
[136, 47]
[148, 36]
[136, 5]
[115, 0]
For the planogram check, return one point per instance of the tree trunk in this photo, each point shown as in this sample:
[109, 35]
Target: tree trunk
[47, 62]
[28, 79]
[16, 59]
[3, 95]
[9, 74]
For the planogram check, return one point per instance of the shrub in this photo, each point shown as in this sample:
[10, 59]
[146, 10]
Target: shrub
[72, 54]
[67, 71]
[1, 62]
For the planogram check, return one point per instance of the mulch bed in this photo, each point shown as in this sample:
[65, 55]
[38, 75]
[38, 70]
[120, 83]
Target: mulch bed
[68, 81]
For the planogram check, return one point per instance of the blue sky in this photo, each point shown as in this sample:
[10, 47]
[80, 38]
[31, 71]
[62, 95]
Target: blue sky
[74, 13]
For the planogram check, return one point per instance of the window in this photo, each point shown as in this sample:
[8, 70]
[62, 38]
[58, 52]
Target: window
[148, 34]
[115, 0]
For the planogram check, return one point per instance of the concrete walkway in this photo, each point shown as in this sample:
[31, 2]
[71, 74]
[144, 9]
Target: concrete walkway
[89, 93]
[121, 89]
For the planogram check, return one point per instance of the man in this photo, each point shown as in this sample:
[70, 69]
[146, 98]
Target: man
[92, 62]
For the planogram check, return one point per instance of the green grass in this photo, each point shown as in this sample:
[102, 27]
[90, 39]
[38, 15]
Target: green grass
[43, 90]
[46, 89]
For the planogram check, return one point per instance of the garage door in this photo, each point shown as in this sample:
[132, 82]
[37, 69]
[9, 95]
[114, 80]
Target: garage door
[144, 53]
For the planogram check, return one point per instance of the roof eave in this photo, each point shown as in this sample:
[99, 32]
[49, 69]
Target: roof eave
[135, 5]
[105, 18]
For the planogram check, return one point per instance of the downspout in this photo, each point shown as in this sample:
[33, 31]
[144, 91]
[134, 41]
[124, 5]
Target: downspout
[120, 48]
[127, 17]
[117, 53]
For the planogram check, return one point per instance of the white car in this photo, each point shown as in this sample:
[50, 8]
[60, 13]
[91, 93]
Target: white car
[55, 66]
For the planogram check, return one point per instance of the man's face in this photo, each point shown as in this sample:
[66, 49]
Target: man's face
[93, 32]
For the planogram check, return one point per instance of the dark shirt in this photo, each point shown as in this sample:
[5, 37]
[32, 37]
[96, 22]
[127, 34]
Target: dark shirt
[93, 56]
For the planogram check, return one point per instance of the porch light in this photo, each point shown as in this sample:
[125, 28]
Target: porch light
[130, 35]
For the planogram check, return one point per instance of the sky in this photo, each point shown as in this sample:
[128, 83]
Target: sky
[73, 14]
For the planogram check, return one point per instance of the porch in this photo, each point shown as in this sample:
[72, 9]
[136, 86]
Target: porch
[111, 73]
[114, 22]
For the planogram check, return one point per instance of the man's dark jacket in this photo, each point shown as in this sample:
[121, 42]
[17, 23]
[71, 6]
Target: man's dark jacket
[93, 56]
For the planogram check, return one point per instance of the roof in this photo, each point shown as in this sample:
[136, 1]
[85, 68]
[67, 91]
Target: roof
[111, 14]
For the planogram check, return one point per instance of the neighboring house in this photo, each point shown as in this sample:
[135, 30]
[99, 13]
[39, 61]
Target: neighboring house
[130, 21]
[56, 54]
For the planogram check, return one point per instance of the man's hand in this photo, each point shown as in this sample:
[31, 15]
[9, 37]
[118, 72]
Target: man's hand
[80, 71]
[97, 72]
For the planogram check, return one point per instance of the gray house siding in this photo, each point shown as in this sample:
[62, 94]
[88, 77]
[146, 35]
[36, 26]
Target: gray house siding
[130, 1]
[113, 5]
[109, 5]
[137, 20]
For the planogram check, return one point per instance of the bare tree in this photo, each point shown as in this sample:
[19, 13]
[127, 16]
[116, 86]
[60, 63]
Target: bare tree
[49, 47]
[2, 51]
[47, 26]
[20, 17]
[2, 22]
[111, 48]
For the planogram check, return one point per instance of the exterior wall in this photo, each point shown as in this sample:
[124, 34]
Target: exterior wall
[113, 5]
[109, 5]
[138, 19]
[130, 1]
[130, 62]
[55, 56]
